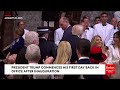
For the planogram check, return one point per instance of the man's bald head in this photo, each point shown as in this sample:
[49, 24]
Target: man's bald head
[77, 30]
[114, 22]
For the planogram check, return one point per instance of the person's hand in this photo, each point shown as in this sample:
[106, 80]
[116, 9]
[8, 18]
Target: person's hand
[10, 59]
[8, 55]
[48, 60]
[76, 62]
[10, 76]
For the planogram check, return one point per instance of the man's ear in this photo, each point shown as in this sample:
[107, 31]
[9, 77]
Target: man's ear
[35, 42]
[78, 54]
[43, 61]
[26, 57]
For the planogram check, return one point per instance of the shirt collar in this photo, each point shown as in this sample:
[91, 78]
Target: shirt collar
[33, 63]
[115, 27]
[68, 26]
[87, 28]
[104, 25]
[43, 38]
[83, 58]
[16, 40]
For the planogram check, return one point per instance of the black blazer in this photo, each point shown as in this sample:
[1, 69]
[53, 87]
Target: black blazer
[73, 40]
[47, 48]
[2, 70]
[17, 46]
[20, 59]
[87, 61]
[82, 61]
[66, 33]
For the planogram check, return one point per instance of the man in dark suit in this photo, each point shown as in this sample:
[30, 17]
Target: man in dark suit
[65, 25]
[30, 38]
[47, 48]
[83, 52]
[20, 59]
[73, 39]
[33, 55]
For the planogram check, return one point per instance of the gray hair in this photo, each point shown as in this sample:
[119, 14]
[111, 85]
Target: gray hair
[77, 29]
[33, 53]
[65, 19]
[31, 37]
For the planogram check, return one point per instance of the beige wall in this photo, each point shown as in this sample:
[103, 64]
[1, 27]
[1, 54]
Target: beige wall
[33, 19]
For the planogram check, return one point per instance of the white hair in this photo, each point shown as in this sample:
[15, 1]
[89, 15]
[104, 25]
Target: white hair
[77, 29]
[33, 53]
[31, 37]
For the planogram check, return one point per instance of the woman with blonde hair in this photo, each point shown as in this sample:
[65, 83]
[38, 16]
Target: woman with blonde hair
[64, 52]
[97, 42]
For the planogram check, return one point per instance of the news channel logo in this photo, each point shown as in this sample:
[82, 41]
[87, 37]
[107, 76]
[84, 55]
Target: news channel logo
[13, 18]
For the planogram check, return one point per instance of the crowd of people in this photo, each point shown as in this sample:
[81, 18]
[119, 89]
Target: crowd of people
[73, 44]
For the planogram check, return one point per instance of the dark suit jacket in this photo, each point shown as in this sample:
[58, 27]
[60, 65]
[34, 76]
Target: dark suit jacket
[2, 70]
[87, 61]
[66, 33]
[2, 56]
[47, 48]
[73, 40]
[20, 59]
[82, 61]
[17, 46]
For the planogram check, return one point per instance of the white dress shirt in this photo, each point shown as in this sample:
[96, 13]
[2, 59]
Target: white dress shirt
[105, 32]
[115, 29]
[58, 34]
[25, 31]
[88, 33]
